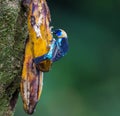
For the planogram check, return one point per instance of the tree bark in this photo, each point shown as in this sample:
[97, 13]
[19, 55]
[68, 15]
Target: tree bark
[13, 32]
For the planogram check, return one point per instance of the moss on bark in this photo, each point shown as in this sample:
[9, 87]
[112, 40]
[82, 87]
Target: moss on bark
[12, 37]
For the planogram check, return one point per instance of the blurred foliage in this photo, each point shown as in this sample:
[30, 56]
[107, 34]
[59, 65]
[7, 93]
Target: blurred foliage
[86, 82]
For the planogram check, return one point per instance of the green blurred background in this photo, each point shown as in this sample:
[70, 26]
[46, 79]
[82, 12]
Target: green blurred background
[86, 82]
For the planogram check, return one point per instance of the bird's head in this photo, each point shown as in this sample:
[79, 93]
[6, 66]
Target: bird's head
[60, 33]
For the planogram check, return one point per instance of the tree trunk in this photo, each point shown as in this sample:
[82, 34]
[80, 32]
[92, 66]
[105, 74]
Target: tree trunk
[12, 37]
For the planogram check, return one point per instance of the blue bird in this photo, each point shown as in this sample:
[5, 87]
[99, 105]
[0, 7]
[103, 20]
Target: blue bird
[58, 48]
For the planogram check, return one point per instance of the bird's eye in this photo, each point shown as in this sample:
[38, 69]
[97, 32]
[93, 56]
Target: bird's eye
[57, 32]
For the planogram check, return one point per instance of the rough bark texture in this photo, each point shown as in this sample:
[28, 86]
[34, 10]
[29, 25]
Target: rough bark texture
[12, 37]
